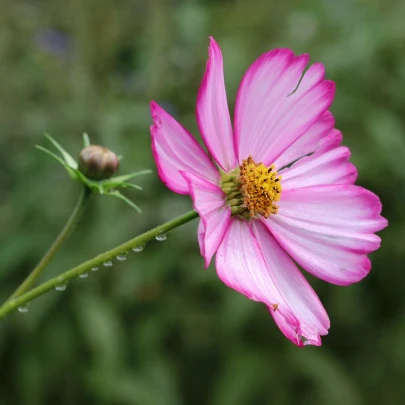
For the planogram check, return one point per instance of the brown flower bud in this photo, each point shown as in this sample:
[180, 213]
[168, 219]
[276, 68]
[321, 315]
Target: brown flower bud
[98, 163]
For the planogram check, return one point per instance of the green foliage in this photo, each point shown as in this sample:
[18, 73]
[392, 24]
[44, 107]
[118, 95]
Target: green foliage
[157, 329]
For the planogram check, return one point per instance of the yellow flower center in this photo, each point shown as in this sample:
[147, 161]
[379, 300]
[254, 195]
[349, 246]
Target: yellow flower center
[252, 189]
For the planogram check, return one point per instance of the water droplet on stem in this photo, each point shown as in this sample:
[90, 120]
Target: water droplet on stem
[138, 248]
[161, 237]
[108, 263]
[23, 310]
[84, 275]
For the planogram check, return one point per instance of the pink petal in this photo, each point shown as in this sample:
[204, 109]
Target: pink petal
[250, 261]
[316, 158]
[269, 115]
[240, 264]
[331, 167]
[289, 330]
[311, 318]
[209, 202]
[329, 230]
[212, 111]
[310, 141]
[174, 149]
[201, 237]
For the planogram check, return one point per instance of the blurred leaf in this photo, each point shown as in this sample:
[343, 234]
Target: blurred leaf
[102, 330]
[389, 136]
[244, 375]
[324, 372]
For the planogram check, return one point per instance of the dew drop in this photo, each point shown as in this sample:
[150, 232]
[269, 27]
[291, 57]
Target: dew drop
[23, 310]
[161, 237]
[61, 287]
[84, 275]
[138, 248]
[122, 257]
[108, 263]
[94, 268]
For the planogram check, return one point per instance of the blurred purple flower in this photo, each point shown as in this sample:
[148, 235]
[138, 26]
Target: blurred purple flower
[53, 41]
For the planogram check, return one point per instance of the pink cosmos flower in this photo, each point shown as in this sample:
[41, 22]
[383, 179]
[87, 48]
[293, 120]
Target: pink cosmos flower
[274, 190]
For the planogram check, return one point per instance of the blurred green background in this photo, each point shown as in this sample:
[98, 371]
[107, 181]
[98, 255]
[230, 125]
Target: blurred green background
[158, 329]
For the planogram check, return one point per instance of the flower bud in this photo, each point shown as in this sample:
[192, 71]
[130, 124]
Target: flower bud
[98, 163]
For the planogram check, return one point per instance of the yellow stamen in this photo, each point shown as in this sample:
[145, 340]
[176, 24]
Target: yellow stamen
[260, 186]
[252, 189]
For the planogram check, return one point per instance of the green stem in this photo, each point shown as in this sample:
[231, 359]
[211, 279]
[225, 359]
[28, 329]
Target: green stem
[85, 267]
[56, 245]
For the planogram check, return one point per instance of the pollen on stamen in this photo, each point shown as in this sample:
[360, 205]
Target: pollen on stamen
[260, 186]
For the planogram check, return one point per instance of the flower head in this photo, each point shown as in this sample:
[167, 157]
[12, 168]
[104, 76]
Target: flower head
[97, 162]
[274, 189]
